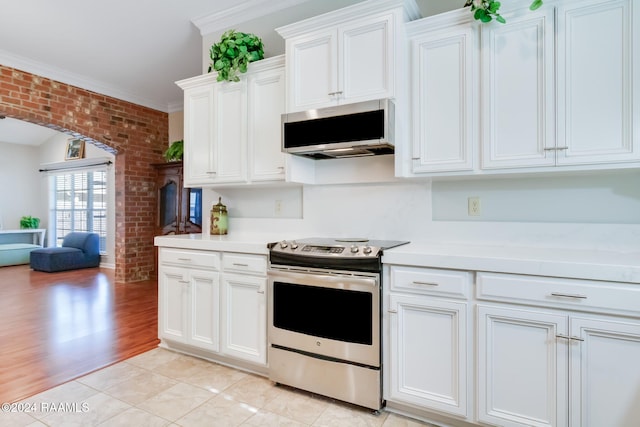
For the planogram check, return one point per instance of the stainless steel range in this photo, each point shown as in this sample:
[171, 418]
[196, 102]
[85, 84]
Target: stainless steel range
[324, 317]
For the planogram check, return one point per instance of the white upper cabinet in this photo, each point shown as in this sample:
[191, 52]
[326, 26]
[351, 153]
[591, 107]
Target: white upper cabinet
[232, 129]
[596, 73]
[551, 89]
[518, 90]
[345, 56]
[558, 85]
[443, 53]
[265, 104]
[199, 163]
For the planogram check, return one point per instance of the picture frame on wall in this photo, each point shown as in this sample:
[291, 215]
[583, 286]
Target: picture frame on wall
[75, 149]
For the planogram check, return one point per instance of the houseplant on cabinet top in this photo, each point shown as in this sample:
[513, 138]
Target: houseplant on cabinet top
[233, 54]
[486, 10]
[175, 151]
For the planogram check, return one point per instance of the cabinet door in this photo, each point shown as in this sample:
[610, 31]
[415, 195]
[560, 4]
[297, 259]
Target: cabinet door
[522, 367]
[266, 92]
[443, 78]
[518, 113]
[204, 309]
[428, 356]
[366, 60]
[605, 373]
[199, 166]
[173, 288]
[596, 82]
[244, 317]
[230, 127]
[169, 204]
[312, 71]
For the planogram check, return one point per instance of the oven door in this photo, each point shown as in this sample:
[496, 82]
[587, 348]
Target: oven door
[330, 314]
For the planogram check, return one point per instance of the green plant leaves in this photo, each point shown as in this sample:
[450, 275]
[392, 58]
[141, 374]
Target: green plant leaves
[535, 5]
[175, 151]
[487, 10]
[233, 53]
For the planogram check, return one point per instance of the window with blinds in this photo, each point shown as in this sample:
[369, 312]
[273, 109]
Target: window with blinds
[80, 204]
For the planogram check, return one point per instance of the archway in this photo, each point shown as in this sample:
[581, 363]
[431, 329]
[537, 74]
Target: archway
[137, 135]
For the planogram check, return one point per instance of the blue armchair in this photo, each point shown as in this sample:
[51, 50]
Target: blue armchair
[78, 250]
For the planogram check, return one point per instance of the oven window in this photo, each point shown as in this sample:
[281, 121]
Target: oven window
[336, 314]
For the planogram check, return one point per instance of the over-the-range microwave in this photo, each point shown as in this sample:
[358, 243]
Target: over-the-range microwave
[350, 130]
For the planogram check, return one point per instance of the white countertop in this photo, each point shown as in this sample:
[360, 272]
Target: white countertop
[556, 262]
[232, 242]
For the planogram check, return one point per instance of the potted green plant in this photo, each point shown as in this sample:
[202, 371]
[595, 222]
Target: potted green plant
[175, 151]
[233, 54]
[486, 10]
[29, 222]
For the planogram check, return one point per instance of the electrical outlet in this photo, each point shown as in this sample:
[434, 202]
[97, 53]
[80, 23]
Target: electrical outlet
[278, 208]
[473, 206]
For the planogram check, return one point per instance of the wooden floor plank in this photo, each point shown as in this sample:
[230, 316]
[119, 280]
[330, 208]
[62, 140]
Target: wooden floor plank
[55, 327]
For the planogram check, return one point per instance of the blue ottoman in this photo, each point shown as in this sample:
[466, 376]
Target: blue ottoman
[78, 250]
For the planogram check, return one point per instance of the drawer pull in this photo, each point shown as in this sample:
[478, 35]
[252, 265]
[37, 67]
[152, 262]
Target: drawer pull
[415, 282]
[184, 282]
[567, 337]
[393, 311]
[184, 259]
[261, 292]
[237, 264]
[576, 296]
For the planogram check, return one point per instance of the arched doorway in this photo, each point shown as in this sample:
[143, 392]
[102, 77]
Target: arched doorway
[137, 135]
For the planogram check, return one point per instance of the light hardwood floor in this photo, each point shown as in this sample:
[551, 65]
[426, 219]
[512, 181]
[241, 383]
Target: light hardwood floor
[55, 327]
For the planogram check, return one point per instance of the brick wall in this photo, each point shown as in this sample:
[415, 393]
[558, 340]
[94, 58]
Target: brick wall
[136, 135]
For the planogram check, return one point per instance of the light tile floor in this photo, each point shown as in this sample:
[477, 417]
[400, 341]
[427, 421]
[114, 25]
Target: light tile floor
[164, 388]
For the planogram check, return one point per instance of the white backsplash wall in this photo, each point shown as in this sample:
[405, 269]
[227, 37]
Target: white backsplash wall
[404, 211]
[605, 197]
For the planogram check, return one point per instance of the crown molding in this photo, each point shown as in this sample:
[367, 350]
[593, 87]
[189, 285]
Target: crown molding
[34, 67]
[247, 11]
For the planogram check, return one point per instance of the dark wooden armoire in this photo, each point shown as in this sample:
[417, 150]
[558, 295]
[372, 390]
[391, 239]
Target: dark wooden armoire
[179, 209]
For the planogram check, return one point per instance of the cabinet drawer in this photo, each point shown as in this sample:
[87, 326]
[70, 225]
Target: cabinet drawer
[588, 295]
[445, 283]
[190, 258]
[245, 263]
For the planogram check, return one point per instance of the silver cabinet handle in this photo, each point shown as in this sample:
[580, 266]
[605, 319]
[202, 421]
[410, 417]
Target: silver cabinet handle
[555, 148]
[185, 282]
[567, 337]
[415, 282]
[237, 264]
[261, 292]
[335, 93]
[393, 311]
[561, 295]
[211, 172]
[184, 259]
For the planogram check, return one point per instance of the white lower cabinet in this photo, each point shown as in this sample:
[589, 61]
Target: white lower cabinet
[214, 301]
[571, 361]
[189, 306]
[522, 367]
[244, 316]
[428, 355]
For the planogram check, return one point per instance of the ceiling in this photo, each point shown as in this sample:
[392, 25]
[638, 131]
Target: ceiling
[137, 50]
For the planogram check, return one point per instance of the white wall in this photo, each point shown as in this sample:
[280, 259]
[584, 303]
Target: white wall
[404, 210]
[20, 193]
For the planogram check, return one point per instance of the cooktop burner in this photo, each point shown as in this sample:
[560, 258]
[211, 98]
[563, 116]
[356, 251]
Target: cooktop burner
[322, 252]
